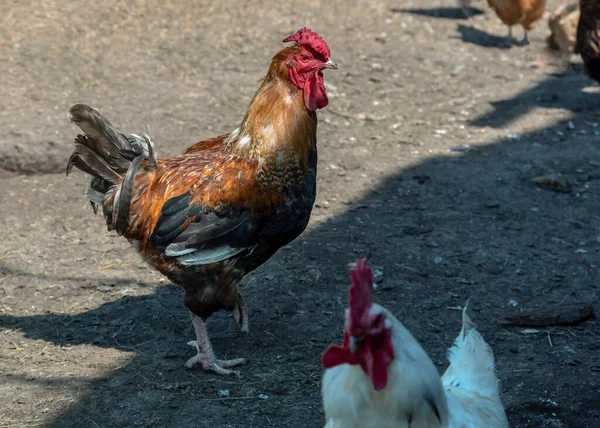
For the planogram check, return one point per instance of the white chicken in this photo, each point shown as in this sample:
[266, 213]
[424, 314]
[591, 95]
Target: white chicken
[381, 376]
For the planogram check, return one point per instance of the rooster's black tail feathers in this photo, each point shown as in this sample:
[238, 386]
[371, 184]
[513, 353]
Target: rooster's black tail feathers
[112, 159]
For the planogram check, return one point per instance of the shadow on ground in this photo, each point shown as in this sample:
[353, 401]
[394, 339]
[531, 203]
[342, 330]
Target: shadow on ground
[557, 92]
[475, 36]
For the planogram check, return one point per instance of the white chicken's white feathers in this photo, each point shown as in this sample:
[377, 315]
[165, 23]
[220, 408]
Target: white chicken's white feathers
[467, 396]
[470, 381]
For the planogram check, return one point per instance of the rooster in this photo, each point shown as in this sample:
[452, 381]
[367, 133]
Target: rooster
[381, 377]
[588, 37]
[513, 12]
[206, 218]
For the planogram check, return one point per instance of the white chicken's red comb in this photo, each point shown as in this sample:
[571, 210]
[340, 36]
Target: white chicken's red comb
[359, 297]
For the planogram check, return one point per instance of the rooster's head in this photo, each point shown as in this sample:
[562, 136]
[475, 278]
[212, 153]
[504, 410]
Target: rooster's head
[303, 65]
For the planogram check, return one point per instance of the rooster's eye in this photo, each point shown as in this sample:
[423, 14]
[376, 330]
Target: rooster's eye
[304, 58]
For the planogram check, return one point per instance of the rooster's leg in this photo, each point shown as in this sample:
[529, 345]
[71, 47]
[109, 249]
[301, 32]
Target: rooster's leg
[525, 40]
[206, 356]
[240, 315]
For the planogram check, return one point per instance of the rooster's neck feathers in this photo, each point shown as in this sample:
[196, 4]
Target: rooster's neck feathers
[278, 131]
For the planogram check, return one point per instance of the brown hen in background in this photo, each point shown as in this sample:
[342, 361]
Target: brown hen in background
[523, 12]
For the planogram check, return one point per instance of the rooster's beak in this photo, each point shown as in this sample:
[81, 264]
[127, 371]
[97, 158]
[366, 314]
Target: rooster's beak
[353, 343]
[330, 64]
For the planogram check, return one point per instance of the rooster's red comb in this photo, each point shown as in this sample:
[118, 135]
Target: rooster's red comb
[359, 299]
[310, 40]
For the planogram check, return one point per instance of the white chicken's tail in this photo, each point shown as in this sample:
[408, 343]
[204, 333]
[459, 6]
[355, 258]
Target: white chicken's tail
[471, 361]
[470, 380]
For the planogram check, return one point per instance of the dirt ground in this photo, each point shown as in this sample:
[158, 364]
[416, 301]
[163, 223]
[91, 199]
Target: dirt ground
[427, 150]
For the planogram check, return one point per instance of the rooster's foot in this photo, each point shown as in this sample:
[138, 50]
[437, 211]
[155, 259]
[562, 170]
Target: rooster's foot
[206, 356]
[210, 363]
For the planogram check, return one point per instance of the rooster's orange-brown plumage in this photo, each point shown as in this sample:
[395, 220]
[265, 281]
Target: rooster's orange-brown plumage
[209, 216]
